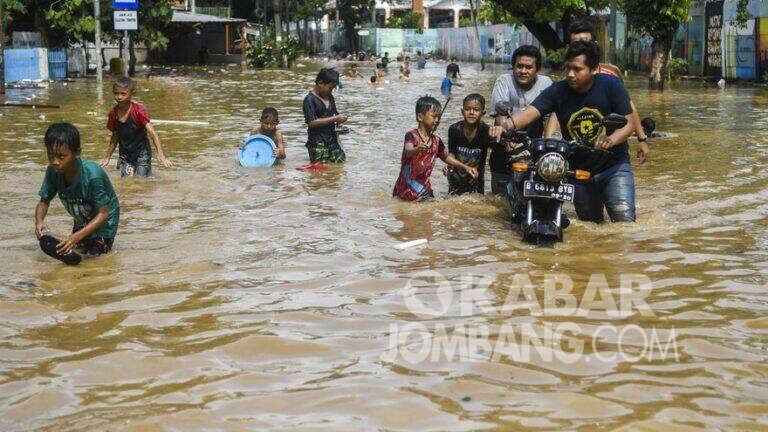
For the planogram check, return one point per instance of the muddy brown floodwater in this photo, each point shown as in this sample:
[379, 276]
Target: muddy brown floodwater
[273, 299]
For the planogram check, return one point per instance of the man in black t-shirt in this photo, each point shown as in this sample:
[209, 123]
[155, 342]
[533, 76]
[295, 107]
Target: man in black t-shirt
[580, 102]
[452, 69]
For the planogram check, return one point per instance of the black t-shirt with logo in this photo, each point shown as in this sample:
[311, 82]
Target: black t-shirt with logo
[452, 67]
[472, 153]
[580, 115]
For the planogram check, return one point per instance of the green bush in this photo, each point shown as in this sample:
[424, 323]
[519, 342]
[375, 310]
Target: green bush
[555, 59]
[465, 22]
[290, 49]
[677, 67]
[411, 20]
[265, 53]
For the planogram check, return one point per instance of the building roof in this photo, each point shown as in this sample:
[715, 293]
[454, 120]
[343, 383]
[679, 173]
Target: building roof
[180, 16]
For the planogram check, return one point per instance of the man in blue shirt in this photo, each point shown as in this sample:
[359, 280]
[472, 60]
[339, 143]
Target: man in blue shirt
[580, 102]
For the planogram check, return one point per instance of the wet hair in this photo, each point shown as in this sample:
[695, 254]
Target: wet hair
[427, 104]
[582, 26]
[649, 125]
[527, 51]
[407, 58]
[589, 50]
[62, 134]
[418, 52]
[454, 59]
[474, 97]
[379, 65]
[373, 78]
[353, 65]
[327, 76]
[125, 82]
[269, 112]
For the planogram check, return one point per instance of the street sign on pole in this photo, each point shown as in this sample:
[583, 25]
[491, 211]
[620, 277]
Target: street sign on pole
[125, 4]
[126, 20]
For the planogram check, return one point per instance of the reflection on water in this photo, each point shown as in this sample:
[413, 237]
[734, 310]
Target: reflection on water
[266, 299]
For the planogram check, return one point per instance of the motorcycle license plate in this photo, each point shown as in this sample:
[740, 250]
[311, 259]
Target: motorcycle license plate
[559, 191]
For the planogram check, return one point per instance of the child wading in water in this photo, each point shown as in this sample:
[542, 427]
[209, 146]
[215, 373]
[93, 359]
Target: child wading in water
[84, 189]
[468, 141]
[268, 127]
[129, 123]
[321, 116]
[420, 149]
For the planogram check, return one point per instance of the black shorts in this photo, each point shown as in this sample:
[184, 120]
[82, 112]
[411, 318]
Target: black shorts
[94, 245]
[137, 163]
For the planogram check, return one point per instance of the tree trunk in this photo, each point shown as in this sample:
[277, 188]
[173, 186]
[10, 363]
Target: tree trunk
[2, 47]
[40, 24]
[545, 34]
[660, 52]
[307, 36]
[477, 33]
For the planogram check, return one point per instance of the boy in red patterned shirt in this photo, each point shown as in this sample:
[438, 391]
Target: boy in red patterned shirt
[129, 123]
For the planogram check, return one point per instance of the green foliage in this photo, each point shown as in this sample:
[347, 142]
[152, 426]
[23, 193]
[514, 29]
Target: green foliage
[290, 49]
[765, 77]
[555, 59]
[13, 8]
[465, 22]
[545, 11]
[408, 21]
[73, 18]
[262, 53]
[677, 67]
[658, 18]
[493, 13]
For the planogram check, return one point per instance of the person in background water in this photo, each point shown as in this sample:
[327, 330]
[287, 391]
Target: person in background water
[420, 149]
[385, 61]
[353, 72]
[129, 123]
[519, 89]
[405, 69]
[453, 67]
[379, 71]
[268, 128]
[375, 82]
[321, 116]
[446, 86]
[585, 31]
[580, 102]
[468, 141]
[84, 189]
[421, 61]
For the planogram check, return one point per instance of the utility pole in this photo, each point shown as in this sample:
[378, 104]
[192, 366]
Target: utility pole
[2, 47]
[99, 66]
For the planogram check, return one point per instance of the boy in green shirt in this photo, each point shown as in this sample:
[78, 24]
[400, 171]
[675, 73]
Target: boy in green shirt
[84, 189]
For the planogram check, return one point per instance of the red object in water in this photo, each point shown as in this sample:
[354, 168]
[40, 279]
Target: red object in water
[312, 166]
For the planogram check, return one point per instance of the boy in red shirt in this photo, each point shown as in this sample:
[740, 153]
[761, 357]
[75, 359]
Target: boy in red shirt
[129, 123]
[420, 149]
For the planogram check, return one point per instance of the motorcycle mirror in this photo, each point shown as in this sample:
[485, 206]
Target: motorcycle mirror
[503, 108]
[614, 121]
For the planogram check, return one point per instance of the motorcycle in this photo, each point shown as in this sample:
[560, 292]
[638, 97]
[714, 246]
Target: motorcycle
[541, 180]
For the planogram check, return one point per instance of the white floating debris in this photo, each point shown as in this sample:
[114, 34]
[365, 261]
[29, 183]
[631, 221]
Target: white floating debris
[410, 244]
[42, 116]
[721, 83]
[91, 113]
[181, 122]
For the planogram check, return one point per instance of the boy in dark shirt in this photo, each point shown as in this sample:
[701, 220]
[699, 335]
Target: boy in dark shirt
[321, 116]
[580, 102]
[129, 123]
[468, 141]
[453, 69]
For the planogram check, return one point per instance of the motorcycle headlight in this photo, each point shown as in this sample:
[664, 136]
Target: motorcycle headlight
[552, 167]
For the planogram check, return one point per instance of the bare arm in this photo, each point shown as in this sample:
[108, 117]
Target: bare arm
[66, 246]
[280, 150]
[156, 139]
[110, 149]
[552, 126]
[325, 121]
[618, 136]
[40, 212]
[643, 150]
[521, 119]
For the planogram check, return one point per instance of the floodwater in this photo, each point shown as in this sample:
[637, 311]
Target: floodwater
[245, 299]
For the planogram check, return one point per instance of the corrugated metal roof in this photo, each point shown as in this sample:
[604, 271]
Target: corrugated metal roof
[189, 17]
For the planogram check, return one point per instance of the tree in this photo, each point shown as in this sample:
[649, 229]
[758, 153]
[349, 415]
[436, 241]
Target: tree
[353, 13]
[659, 19]
[536, 16]
[410, 20]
